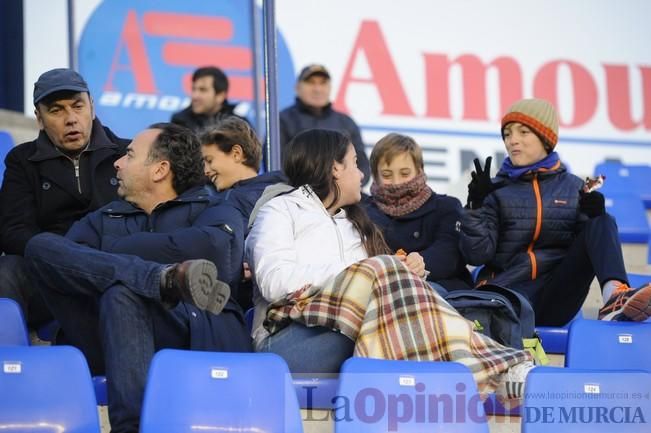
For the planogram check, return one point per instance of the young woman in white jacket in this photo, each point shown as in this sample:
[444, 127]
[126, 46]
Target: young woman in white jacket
[308, 236]
[326, 288]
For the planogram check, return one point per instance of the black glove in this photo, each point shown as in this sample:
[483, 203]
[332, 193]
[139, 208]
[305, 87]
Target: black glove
[481, 184]
[592, 203]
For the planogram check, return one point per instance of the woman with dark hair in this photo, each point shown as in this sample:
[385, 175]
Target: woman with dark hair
[412, 217]
[325, 288]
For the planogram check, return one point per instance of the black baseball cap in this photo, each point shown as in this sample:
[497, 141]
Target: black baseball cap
[56, 80]
[311, 70]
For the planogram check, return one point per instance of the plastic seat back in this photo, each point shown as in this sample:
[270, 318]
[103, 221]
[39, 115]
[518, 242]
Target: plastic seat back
[189, 391]
[567, 400]
[46, 389]
[609, 345]
[377, 395]
[13, 331]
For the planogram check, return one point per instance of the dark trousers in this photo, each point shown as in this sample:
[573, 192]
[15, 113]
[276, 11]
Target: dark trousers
[16, 284]
[109, 307]
[596, 251]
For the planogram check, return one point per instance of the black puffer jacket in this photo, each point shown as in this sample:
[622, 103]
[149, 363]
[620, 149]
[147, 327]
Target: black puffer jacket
[523, 230]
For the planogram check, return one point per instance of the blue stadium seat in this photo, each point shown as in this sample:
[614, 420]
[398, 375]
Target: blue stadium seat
[378, 395]
[627, 179]
[638, 280]
[630, 214]
[99, 386]
[46, 389]
[6, 143]
[211, 391]
[315, 391]
[554, 339]
[567, 400]
[248, 318]
[609, 345]
[13, 330]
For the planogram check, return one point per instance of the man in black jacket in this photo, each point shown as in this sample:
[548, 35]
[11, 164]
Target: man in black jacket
[313, 109]
[209, 100]
[51, 182]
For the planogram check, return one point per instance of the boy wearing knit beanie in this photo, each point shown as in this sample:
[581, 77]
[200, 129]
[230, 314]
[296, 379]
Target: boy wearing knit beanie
[537, 232]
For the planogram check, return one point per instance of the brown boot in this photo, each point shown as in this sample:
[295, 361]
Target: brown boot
[195, 282]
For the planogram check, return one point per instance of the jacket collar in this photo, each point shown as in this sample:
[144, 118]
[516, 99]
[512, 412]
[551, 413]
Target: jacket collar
[310, 110]
[194, 195]
[270, 178]
[45, 149]
[307, 196]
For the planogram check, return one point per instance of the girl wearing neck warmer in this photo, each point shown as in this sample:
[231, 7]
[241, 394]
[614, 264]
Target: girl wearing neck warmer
[412, 217]
[537, 230]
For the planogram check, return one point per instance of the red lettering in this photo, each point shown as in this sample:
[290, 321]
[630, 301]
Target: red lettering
[437, 77]
[132, 41]
[545, 86]
[619, 97]
[370, 43]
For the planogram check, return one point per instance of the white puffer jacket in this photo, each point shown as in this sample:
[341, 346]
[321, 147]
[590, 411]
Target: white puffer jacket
[295, 241]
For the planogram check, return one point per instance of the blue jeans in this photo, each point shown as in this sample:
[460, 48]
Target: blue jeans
[309, 349]
[109, 307]
[16, 284]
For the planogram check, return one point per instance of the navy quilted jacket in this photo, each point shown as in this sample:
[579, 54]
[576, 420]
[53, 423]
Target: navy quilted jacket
[523, 230]
[429, 230]
[191, 226]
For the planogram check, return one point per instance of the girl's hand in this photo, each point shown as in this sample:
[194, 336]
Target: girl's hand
[414, 262]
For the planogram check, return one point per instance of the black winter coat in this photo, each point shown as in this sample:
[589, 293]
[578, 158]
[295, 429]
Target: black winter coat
[300, 117]
[41, 191]
[431, 231]
[523, 230]
[198, 122]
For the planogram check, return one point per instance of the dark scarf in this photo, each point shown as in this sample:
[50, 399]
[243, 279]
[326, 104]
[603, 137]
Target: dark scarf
[550, 162]
[402, 199]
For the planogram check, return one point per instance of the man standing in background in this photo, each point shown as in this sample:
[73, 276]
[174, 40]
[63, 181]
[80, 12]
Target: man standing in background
[209, 100]
[313, 109]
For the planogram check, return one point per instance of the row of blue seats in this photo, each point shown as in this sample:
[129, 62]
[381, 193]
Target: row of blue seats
[49, 389]
[622, 345]
[627, 189]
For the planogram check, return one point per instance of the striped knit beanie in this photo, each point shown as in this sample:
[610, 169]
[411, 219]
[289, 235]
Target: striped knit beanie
[537, 114]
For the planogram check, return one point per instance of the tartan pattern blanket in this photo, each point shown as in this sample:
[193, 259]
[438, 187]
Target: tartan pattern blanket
[391, 313]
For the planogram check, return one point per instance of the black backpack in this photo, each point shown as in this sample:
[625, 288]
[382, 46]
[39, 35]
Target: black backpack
[502, 314]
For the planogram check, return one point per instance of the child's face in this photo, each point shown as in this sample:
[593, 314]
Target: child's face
[523, 145]
[401, 169]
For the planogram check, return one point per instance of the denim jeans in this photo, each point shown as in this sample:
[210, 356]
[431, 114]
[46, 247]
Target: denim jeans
[309, 349]
[109, 307]
[16, 284]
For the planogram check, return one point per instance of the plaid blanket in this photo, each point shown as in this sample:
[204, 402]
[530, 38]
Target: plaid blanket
[391, 313]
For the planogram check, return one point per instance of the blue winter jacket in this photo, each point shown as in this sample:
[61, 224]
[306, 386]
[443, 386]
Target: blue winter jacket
[244, 194]
[191, 226]
[523, 230]
[431, 231]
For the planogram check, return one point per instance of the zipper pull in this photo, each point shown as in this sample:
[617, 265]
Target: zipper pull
[75, 162]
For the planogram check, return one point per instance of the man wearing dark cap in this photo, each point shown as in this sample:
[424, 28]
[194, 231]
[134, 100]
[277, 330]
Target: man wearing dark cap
[313, 109]
[51, 182]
